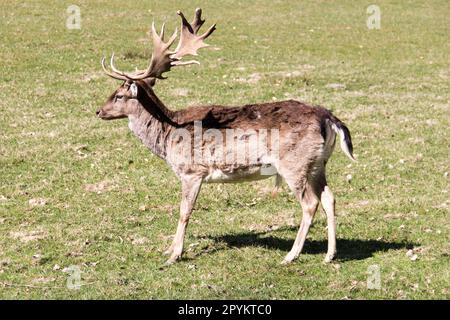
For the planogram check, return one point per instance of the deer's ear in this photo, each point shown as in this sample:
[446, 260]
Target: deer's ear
[150, 81]
[134, 90]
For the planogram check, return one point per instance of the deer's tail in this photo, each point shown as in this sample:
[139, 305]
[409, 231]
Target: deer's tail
[344, 135]
[345, 138]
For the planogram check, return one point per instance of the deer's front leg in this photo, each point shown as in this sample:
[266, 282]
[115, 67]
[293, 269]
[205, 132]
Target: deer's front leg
[190, 187]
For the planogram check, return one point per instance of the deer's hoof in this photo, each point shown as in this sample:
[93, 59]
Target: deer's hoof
[329, 258]
[170, 262]
[168, 252]
[173, 258]
[288, 259]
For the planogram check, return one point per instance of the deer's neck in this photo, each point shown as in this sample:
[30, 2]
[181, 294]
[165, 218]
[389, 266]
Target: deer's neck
[152, 123]
[151, 131]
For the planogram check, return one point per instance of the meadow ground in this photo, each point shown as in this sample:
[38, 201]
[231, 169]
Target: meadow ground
[78, 192]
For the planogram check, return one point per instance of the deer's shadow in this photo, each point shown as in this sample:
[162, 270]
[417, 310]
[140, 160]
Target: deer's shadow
[347, 249]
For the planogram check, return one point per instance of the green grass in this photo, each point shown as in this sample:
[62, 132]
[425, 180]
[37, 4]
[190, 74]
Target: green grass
[395, 101]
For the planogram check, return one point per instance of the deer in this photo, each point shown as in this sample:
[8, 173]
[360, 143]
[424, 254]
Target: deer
[287, 139]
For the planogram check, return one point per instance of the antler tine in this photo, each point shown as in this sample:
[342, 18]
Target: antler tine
[184, 63]
[111, 74]
[161, 36]
[158, 39]
[113, 67]
[184, 22]
[208, 33]
[197, 22]
[127, 75]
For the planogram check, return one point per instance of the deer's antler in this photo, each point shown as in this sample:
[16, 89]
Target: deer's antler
[190, 42]
[162, 58]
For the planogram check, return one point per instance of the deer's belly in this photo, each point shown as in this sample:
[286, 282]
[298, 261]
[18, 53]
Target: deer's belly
[241, 174]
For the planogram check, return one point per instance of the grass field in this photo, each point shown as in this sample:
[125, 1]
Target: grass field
[79, 192]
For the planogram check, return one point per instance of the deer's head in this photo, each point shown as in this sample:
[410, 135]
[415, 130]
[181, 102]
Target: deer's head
[125, 100]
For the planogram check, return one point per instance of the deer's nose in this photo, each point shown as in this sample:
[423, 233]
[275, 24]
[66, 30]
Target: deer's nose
[97, 112]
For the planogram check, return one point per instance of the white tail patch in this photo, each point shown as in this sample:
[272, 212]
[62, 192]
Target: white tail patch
[343, 143]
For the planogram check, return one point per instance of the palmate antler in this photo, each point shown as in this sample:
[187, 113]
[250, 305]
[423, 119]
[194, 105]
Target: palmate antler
[162, 58]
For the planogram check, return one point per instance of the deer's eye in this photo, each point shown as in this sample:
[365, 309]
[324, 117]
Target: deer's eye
[119, 96]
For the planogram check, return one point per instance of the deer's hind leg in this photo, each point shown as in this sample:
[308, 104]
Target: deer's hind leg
[318, 184]
[316, 189]
[309, 201]
[310, 191]
[328, 204]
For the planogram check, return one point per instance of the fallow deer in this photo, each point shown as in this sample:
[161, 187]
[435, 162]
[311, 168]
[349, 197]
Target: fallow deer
[302, 137]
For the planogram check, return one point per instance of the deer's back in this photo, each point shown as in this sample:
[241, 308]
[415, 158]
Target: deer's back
[289, 113]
